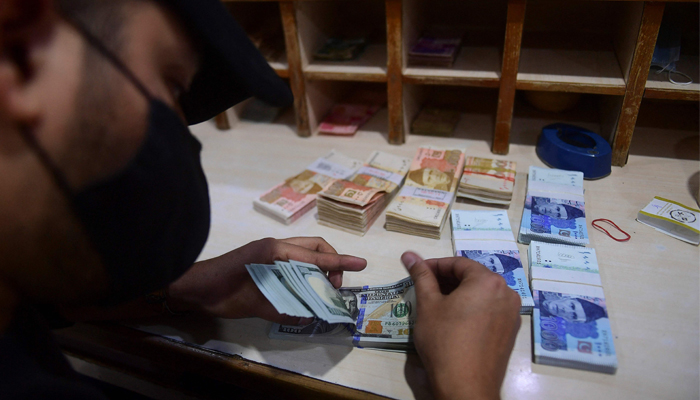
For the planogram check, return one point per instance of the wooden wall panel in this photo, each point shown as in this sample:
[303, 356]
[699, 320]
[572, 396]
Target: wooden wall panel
[296, 73]
[394, 73]
[509, 72]
[637, 80]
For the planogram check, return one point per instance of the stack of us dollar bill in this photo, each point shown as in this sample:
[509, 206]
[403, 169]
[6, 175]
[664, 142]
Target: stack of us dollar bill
[379, 316]
[486, 237]
[354, 204]
[570, 322]
[487, 180]
[422, 206]
[295, 196]
[554, 208]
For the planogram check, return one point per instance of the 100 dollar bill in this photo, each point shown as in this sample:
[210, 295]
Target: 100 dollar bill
[384, 316]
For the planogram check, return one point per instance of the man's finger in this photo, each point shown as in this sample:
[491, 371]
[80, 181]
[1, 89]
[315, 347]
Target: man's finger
[311, 243]
[458, 268]
[426, 284]
[336, 278]
[325, 261]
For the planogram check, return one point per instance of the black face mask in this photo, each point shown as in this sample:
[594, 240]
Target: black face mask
[149, 221]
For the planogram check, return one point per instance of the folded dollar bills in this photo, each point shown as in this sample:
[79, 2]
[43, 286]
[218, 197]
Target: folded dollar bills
[422, 205]
[354, 204]
[384, 316]
[673, 219]
[486, 237]
[487, 180]
[554, 208]
[379, 316]
[292, 198]
[570, 321]
[571, 328]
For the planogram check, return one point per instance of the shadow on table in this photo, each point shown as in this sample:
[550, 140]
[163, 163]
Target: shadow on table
[246, 337]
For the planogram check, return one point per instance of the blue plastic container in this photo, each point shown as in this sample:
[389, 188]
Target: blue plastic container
[573, 148]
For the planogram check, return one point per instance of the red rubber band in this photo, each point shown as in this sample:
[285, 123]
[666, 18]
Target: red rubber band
[608, 233]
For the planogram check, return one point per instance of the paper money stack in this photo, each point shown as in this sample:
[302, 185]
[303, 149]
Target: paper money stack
[435, 122]
[554, 208]
[354, 204]
[379, 316]
[570, 322]
[673, 219]
[486, 237]
[422, 205]
[295, 196]
[355, 110]
[487, 180]
[438, 47]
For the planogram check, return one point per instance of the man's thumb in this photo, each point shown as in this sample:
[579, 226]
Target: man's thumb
[424, 279]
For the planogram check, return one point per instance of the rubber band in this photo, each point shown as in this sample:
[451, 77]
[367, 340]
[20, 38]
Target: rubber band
[608, 233]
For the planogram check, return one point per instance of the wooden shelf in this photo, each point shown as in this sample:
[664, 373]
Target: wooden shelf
[599, 48]
[474, 66]
[582, 71]
[659, 87]
[370, 66]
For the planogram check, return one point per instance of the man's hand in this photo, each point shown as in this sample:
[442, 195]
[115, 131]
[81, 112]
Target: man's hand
[467, 322]
[222, 286]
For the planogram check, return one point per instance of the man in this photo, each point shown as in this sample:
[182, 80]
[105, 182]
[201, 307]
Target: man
[103, 199]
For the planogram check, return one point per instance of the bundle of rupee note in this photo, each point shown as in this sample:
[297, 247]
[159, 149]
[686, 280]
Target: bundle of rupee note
[295, 196]
[554, 208]
[422, 206]
[570, 322]
[353, 204]
[380, 316]
[487, 180]
[486, 237]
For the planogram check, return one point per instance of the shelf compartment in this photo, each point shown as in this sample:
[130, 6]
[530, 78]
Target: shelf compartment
[578, 46]
[319, 21]
[685, 18]
[478, 61]
[322, 95]
[476, 105]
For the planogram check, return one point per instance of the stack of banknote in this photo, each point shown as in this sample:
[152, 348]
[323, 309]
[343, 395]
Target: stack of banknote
[487, 180]
[672, 218]
[295, 196]
[345, 119]
[486, 237]
[438, 46]
[353, 204]
[554, 208]
[337, 49]
[379, 316]
[422, 205]
[570, 322]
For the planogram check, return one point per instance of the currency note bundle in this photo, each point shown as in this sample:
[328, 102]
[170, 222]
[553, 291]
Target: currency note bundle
[435, 122]
[347, 117]
[438, 46]
[422, 206]
[354, 204]
[554, 208]
[295, 196]
[570, 322]
[673, 219]
[487, 180]
[486, 237]
[380, 316]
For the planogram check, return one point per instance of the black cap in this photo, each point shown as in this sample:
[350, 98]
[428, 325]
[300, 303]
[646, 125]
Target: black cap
[232, 68]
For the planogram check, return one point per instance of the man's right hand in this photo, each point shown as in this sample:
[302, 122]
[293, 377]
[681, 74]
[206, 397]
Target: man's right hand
[466, 325]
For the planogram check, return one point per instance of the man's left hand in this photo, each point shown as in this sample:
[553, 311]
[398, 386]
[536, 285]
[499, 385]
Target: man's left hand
[222, 286]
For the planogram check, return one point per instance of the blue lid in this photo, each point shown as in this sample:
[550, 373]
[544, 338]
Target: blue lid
[573, 148]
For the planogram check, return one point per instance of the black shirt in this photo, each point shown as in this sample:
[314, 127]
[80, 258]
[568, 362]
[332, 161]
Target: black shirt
[32, 365]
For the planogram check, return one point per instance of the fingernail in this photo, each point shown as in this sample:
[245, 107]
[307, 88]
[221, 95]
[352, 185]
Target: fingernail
[409, 260]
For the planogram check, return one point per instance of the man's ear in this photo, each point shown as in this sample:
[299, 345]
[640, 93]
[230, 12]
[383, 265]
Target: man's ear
[24, 24]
